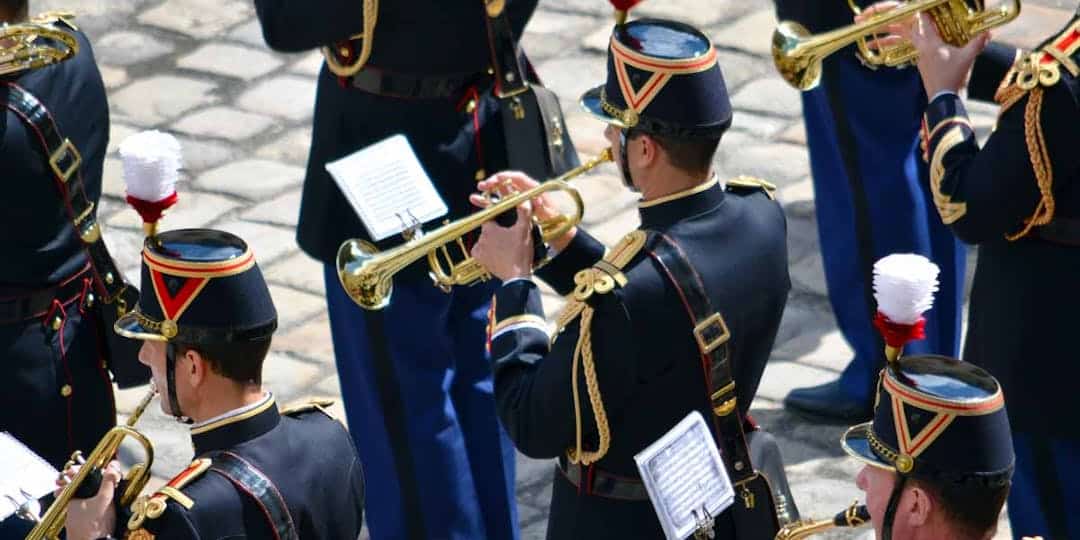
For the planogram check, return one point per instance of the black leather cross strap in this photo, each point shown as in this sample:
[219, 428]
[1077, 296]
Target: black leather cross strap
[711, 334]
[64, 161]
[595, 481]
[252, 482]
[510, 75]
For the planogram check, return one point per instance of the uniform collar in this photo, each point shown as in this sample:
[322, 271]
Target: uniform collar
[235, 426]
[671, 208]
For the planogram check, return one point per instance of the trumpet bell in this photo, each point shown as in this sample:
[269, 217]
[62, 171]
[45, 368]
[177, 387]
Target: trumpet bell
[798, 55]
[355, 263]
[801, 71]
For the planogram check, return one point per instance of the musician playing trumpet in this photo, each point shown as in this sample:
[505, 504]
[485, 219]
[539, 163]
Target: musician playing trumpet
[206, 322]
[624, 364]
[1017, 199]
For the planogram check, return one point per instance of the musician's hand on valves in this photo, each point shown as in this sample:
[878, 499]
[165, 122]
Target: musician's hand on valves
[542, 206]
[507, 252]
[943, 67]
[89, 519]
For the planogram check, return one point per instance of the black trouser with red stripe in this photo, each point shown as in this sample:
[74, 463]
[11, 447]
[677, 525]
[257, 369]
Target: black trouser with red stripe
[55, 392]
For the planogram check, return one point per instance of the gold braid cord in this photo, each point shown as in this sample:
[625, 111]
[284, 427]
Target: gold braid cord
[583, 352]
[1040, 164]
[599, 279]
[371, 16]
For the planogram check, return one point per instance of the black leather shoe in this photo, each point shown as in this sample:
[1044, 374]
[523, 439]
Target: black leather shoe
[828, 403]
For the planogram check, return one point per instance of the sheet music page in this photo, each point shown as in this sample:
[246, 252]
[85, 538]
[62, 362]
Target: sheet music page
[387, 187]
[22, 471]
[684, 474]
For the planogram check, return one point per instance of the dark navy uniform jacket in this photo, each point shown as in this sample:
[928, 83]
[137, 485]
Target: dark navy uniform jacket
[648, 366]
[307, 455]
[59, 371]
[1022, 323]
[422, 37]
[40, 246]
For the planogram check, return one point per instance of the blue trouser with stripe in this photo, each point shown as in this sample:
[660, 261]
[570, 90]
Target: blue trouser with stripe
[438, 464]
[872, 198]
[1043, 500]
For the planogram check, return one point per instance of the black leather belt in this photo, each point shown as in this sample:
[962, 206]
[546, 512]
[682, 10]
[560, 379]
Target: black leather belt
[34, 304]
[1060, 230]
[604, 484]
[412, 86]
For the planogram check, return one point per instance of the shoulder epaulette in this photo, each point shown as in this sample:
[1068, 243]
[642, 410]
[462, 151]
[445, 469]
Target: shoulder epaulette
[153, 507]
[750, 183]
[310, 405]
[1042, 67]
[56, 17]
[603, 276]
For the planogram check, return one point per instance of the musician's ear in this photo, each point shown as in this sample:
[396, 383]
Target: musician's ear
[917, 505]
[649, 151]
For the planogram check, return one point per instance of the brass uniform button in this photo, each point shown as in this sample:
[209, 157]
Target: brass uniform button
[66, 390]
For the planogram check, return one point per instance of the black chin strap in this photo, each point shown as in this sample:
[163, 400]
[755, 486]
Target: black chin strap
[170, 383]
[890, 510]
[624, 156]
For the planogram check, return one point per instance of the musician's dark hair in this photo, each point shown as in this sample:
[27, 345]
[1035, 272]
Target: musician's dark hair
[694, 156]
[14, 10]
[240, 362]
[971, 508]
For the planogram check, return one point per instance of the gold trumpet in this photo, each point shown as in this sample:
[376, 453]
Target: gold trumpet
[797, 54]
[367, 275]
[853, 516]
[31, 45]
[52, 523]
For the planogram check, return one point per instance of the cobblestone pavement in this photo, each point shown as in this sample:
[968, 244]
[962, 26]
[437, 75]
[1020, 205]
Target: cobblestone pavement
[199, 69]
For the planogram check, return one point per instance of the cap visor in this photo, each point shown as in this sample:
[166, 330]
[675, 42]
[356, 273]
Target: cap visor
[128, 326]
[856, 442]
[591, 103]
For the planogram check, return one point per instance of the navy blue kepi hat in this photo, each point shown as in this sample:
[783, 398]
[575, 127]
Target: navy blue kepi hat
[662, 78]
[200, 286]
[936, 416]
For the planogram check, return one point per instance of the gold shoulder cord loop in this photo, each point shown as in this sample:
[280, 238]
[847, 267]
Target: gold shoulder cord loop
[371, 16]
[1040, 164]
[583, 352]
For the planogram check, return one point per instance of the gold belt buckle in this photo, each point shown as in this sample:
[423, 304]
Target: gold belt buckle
[711, 333]
[66, 150]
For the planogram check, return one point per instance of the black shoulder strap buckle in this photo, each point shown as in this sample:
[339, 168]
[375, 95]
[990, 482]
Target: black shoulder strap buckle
[711, 334]
[250, 481]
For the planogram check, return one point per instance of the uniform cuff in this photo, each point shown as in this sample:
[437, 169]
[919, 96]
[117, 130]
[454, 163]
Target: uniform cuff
[944, 106]
[582, 252]
[517, 305]
[945, 109]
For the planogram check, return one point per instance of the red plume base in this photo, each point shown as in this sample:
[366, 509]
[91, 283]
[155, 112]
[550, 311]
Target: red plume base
[151, 211]
[898, 334]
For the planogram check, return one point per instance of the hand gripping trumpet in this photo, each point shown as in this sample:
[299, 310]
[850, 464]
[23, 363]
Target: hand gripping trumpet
[855, 515]
[798, 55]
[86, 481]
[30, 45]
[367, 275]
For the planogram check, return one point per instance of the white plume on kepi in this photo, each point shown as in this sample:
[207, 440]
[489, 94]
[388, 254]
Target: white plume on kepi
[904, 286]
[152, 163]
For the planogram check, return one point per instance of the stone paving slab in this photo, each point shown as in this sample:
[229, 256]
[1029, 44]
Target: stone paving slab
[242, 113]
